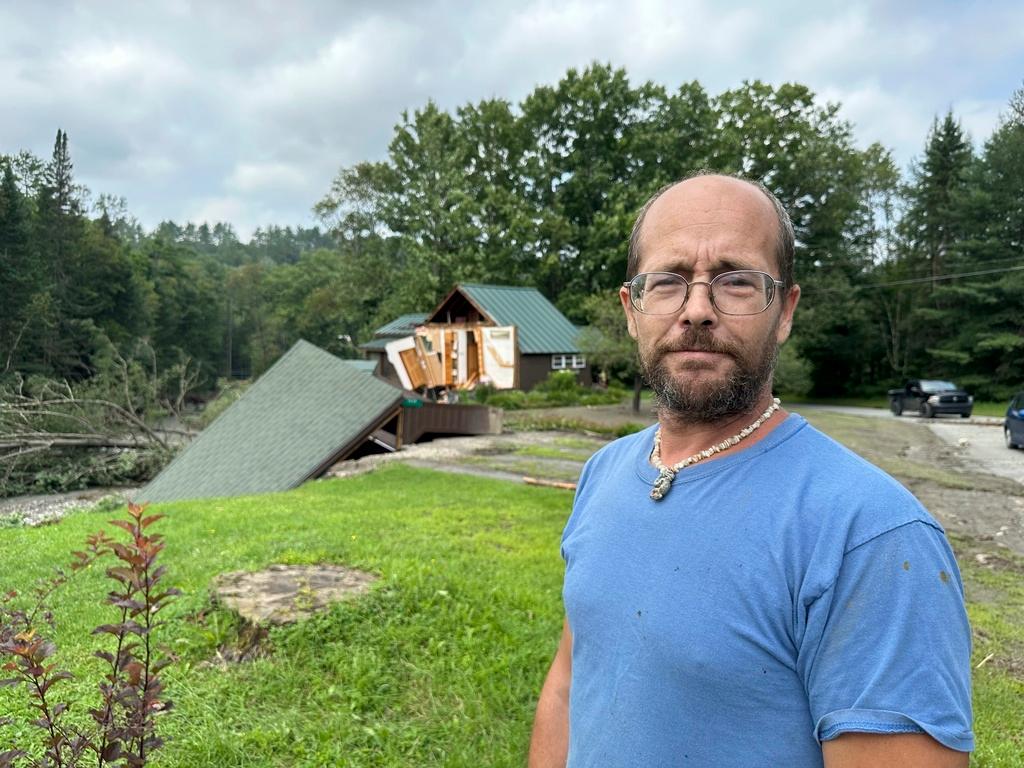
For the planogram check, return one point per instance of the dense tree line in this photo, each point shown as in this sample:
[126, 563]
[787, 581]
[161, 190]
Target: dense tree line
[84, 283]
[901, 276]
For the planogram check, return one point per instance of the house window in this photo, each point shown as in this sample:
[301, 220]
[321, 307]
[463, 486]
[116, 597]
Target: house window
[561, 362]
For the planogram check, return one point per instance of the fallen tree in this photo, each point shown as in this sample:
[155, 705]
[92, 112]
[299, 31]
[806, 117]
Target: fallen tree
[55, 435]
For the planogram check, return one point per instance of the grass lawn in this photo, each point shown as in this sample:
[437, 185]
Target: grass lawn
[439, 666]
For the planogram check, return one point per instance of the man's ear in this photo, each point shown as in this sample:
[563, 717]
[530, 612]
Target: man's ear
[786, 318]
[627, 308]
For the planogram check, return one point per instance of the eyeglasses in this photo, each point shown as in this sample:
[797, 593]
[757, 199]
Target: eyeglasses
[743, 292]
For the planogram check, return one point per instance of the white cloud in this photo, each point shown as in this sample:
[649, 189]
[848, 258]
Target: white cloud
[213, 209]
[244, 111]
[255, 177]
[979, 118]
[895, 119]
[853, 43]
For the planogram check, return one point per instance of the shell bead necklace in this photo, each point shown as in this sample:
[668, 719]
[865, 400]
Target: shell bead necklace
[667, 474]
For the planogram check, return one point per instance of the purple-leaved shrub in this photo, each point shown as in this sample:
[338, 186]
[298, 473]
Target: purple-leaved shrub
[123, 729]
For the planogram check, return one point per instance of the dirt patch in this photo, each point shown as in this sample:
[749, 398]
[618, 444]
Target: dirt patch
[986, 516]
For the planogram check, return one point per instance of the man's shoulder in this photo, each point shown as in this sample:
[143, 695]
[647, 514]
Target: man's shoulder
[831, 459]
[831, 476]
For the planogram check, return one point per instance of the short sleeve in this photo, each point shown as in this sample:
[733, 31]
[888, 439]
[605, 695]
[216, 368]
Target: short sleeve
[887, 646]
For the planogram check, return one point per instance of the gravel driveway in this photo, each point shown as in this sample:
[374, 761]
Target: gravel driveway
[983, 447]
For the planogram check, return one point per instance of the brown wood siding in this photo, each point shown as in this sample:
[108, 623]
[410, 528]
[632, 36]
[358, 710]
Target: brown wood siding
[533, 369]
[440, 419]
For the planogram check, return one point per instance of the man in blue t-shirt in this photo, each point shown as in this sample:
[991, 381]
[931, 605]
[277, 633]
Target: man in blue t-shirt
[740, 590]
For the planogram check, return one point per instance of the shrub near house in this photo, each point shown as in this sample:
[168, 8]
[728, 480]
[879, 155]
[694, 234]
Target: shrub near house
[559, 390]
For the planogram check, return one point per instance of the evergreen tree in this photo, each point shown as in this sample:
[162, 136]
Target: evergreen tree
[934, 223]
[62, 335]
[18, 276]
[979, 319]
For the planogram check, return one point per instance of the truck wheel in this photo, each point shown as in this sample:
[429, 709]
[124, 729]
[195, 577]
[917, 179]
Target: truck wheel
[1008, 438]
[896, 406]
[927, 411]
[965, 415]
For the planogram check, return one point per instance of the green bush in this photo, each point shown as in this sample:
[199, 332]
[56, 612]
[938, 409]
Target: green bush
[561, 389]
[510, 400]
[58, 471]
[628, 429]
[559, 381]
[483, 393]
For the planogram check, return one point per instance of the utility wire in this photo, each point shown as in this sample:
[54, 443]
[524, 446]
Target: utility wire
[919, 280]
[947, 277]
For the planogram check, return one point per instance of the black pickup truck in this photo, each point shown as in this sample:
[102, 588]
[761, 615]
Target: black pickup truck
[929, 397]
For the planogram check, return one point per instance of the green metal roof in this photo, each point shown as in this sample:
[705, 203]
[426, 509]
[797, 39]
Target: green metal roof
[308, 409]
[541, 328]
[366, 366]
[402, 326]
[376, 345]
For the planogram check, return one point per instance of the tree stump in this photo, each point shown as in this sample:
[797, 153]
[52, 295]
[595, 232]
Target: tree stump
[283, 594]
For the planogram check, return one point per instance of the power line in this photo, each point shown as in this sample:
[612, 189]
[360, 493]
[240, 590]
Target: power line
[947, 277]
[919, 280]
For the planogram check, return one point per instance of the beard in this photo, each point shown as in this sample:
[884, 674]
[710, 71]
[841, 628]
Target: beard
[690, 399]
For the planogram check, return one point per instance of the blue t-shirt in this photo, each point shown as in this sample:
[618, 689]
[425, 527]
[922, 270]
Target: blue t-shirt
[775, 598]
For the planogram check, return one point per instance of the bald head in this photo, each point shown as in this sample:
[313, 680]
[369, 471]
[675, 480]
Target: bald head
[758, 205]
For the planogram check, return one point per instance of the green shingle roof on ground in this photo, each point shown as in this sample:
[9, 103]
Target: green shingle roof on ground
[541, 328]
[402, 326]
[297, 416]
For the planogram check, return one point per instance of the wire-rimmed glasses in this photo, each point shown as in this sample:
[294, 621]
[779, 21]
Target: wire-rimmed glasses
[742, 292]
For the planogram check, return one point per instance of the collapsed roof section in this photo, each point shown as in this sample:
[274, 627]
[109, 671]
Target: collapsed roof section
[477, 334]
[401, 326]
[458, 357]
[309, 410]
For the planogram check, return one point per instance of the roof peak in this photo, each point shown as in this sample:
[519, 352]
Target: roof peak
[497, 286]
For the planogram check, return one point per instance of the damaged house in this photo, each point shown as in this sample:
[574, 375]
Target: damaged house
[305, 413]
[505, 336]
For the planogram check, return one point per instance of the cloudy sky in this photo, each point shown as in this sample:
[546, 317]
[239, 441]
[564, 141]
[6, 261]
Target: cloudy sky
[244, 112]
